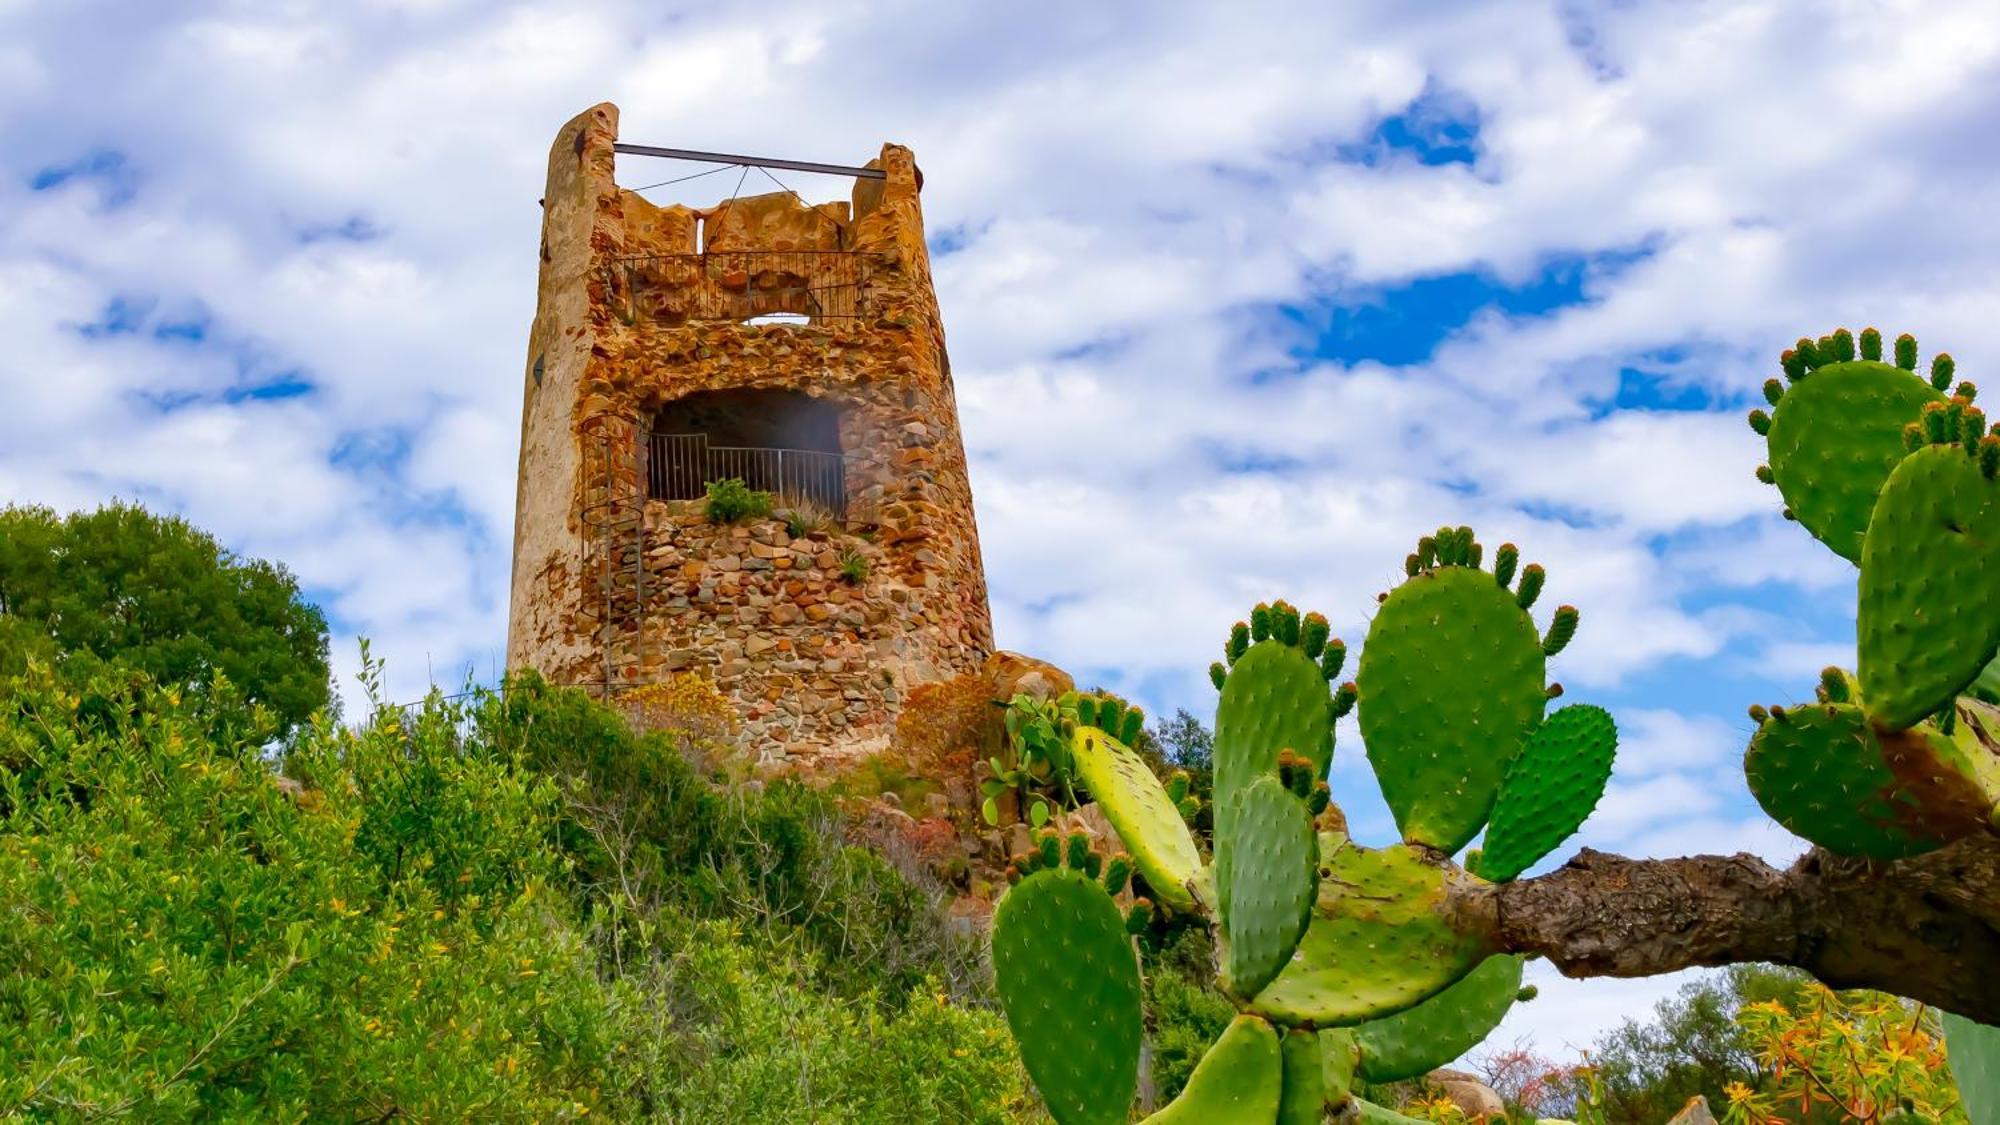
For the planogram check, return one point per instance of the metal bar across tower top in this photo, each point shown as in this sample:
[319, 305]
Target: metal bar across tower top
[750, 161]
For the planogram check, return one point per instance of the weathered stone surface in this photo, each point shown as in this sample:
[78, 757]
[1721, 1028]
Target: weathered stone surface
[1695, 1112]
[1473, 1098]
[1011, 674]
[818, 663]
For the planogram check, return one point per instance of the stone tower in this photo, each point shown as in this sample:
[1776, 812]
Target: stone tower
[796, 347]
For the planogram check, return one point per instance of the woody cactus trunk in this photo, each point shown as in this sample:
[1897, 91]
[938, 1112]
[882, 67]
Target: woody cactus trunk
[1349, 962]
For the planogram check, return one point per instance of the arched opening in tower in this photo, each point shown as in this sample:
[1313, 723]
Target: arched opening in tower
[777, 441]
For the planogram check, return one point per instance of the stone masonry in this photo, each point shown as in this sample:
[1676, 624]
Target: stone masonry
[816, 638]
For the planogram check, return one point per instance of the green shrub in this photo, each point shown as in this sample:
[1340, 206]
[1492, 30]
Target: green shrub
[802, 520]
[1185, 1012]
[186, 938]
[853, 566]
[732, 501]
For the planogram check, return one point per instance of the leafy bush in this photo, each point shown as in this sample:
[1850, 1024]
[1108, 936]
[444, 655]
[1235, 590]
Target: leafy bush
[120, 585]
[853, 566]
[804, 519]
[732, 501]
[188, 939]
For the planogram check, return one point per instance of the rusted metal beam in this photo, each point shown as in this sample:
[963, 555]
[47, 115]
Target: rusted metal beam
[749, 161]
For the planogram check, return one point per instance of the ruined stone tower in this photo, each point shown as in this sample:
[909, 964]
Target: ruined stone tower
[796, 347]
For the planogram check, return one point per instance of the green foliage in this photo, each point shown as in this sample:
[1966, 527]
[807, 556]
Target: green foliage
[732, 501]
[1647, 1069]
[853, 566]
[1185, 1013]
[122, 586]
[802, 520]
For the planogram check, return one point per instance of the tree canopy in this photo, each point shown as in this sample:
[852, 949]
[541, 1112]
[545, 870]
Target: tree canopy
[124, 586]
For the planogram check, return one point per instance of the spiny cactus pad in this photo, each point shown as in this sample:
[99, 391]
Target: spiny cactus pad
[1380, 939]
[1267, 863]
[1833, 438]
[1069, 982]
[1974, 1052]
[1550, 788]
[1421, 1039]
[1303, 1098]
[1933, 549]
[1140, 811]
[1824, 772]
[1238, 1082]
[1337, 1063]
[1451, 682]
[1368, 1113]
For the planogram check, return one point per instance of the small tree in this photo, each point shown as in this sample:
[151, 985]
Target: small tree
[123, 586]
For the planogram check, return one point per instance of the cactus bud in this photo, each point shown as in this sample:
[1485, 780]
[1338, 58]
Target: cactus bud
[1049, 849]
[1260, 622]
[1133, 725]
[1778, 713]
[1465, 545]
[1086, 710]
[1760, 421]
[1871, 344]
[1426, 552]
[1288, 626]
[1239, 642]
[1331, 660]
[1217, 674]
[1833, 686]
[1177, 786]
[1474, 556]
[1531, 585]
[1773, 391]
[1189, 807]
[1989, 456]
[1913, 436]
[1808, 353]
[1764, 474]
[1322, 796]
[1139, 916]
[1906, 352]
[1504, 561]
[1561, 628]
[1093, 864]
[1343, 699]
[1117, 873]
[1553, 691]
[1079, 849]
[1937, 423]
[1528, 992]
[1843, 345]
[1315, 634]
[1966, 389]
[1942, 369]
[1788, 513]
[1793, 363]
[1410, 565]
[1758, 714]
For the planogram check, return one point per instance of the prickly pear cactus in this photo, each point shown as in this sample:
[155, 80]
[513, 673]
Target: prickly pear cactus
[1451, 682]
[1275, 697]
[1550, 789]
[1829, 775]
[1418, 1040]
[1380, 939]
[1974, 1052]
[1141, 811]
[1239, 1082]
[1932, 548]
[1835, 430]
[1265, 869]
[1302, 1101]
[1068, 979]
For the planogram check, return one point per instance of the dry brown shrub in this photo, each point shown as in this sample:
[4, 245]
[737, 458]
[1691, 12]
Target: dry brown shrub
[948, 725]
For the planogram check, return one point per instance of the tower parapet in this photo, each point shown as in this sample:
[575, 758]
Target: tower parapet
[797, 347]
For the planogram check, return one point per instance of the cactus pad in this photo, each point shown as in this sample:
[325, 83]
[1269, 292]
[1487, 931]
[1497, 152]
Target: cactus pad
[1368, 1113]
[1974, 1052]
[1069, 982]
[1933, 547]
[1418, 1040]
[1380, 939]
[1337, 1062]
[1824, 772]
[1238, 1082]
[1550, 788]
[1266, 868]
[1451, 682]
[1302, 1100]
[1834, 435]
[1140, 811]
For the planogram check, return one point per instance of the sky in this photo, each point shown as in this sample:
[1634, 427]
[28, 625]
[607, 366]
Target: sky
[1241, 299]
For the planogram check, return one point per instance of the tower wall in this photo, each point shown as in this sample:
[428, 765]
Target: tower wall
[817, 662]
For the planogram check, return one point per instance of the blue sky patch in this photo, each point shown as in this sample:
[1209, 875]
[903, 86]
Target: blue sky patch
[107, 167]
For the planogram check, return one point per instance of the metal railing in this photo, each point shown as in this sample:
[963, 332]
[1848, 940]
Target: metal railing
[680, 467]
[741, 285]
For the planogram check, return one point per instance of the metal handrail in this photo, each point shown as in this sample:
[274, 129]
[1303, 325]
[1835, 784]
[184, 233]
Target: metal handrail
[741, 285]
[682, 466]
